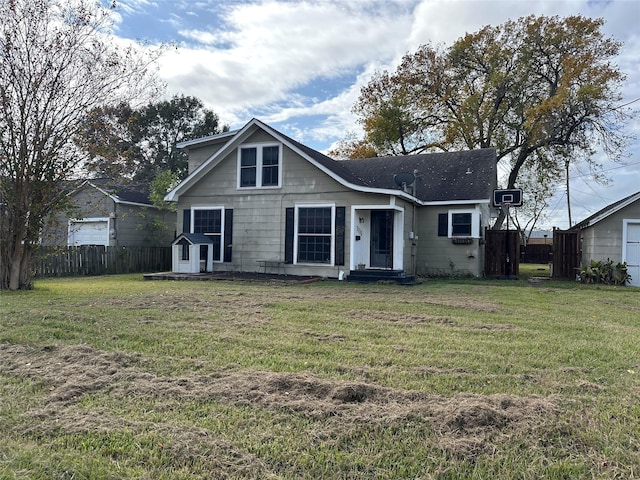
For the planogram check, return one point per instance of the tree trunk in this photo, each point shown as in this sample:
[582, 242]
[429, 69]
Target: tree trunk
[19, 269]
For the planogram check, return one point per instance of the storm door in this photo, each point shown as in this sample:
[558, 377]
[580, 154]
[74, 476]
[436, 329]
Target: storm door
[381, 239]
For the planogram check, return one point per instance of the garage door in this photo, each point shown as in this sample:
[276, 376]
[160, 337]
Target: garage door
[632, 251]
[89, 232]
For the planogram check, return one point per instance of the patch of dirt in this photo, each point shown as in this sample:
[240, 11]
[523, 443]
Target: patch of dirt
[465, 303]
[465, 425]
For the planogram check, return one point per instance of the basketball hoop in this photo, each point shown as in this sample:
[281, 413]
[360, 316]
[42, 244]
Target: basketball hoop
[507, 198]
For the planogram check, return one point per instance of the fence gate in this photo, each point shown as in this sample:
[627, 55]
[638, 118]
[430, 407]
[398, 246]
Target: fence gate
[566, 253]
[499, 243]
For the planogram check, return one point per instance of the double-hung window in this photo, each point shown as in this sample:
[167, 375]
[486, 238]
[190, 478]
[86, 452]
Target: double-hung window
[210, 221]
[460, 223]
[315, 233]
[259, 165]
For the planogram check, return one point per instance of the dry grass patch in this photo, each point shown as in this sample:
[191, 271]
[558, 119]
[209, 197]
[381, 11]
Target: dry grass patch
[464, 425]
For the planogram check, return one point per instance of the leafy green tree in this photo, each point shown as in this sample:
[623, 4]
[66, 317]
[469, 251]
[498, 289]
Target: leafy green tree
[57, 63]
[541, 90]
[110, 138]
[138, 144]
[160, 186]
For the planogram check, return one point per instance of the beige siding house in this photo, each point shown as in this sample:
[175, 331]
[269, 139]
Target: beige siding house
[614, 233]
[257, 200]
[110, 215]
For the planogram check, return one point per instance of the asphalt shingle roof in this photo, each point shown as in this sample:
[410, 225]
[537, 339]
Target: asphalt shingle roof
[448, 176]
[132, 192]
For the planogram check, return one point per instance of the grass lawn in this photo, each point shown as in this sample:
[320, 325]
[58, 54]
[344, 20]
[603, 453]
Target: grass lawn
[119, 378]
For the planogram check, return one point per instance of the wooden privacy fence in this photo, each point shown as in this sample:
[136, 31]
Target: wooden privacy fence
[499, 244]
[536, 253]
[566, 253]
[99, 260]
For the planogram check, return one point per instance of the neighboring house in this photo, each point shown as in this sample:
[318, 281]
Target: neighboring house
[614, 233]
[256, 199]
[102, 213]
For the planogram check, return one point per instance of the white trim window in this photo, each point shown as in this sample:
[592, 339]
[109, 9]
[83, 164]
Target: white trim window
[315, 234]
[464, 223]
[210, 221]
[260, 165]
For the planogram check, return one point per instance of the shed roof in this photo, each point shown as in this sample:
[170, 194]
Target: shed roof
[133, 193]
[608, 210]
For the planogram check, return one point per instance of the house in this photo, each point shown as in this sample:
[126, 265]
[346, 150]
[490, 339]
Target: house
[265, 201]
[614, 233]
[112, 215]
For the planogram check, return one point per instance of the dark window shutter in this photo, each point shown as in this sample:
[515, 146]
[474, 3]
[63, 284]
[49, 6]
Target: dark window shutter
[186, 221]
[340, 214]
[288, 235]
[443, 220]
[228, 234]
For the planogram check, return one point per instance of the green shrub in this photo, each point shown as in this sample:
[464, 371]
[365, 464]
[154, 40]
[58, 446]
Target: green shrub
[605, 272]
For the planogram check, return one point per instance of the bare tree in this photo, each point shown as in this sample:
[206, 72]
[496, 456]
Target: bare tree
[58, 61]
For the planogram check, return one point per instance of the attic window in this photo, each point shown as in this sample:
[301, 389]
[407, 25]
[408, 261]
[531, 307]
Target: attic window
[259, 166]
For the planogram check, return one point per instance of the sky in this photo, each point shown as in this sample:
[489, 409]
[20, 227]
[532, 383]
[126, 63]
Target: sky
[299, 65]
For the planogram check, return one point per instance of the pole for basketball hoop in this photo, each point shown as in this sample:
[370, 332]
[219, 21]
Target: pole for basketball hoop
[507, 267]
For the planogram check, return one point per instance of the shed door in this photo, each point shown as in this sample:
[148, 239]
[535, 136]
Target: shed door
[95, 232]
[633, 253]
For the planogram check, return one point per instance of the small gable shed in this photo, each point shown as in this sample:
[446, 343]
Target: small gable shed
[192, 253]
[614, 233]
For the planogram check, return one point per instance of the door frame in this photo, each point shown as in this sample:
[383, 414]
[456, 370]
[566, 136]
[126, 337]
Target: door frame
[360, 235]
[635, 281]
[382, 228]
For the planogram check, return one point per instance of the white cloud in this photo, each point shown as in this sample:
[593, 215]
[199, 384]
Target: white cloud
[263, 51]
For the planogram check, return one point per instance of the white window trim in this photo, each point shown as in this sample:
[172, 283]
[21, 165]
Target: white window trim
[89, 220]
[222, 220]
[475, 223]
[259, 147]
[333, 233]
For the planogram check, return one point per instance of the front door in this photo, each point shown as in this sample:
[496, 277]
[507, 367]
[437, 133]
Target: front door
[381, 239]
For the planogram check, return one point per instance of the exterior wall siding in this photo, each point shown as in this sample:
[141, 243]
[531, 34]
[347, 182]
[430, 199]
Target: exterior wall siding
[438, 255]
[198, 155]
[604, 239]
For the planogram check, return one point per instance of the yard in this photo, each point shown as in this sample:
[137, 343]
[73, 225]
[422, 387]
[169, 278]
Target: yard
[115, 378]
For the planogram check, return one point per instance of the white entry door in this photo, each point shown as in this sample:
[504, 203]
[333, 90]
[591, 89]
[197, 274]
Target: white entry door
[631, 252]
[92, 231]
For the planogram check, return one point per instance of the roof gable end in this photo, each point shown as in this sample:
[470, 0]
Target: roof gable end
[607, 211]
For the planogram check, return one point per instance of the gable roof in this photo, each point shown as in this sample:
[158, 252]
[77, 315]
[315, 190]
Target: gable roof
[468, 176]
[608, 210]
[131, 194]
[217, 138]
[192, 238]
